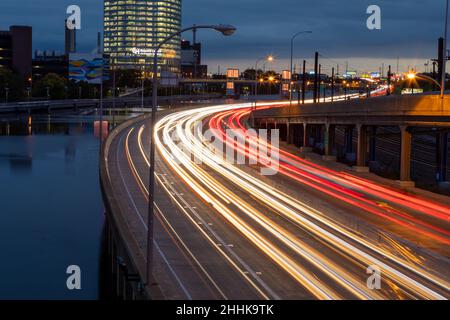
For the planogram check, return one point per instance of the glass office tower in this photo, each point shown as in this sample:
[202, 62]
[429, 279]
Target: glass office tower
[133, 28]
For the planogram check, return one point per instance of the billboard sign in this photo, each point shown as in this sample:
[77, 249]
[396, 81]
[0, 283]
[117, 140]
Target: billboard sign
[87, 67]
[286, 75]
[233, 74]
[375, 75]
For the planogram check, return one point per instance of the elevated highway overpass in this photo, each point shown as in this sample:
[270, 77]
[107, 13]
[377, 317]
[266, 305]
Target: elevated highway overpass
[318, 122]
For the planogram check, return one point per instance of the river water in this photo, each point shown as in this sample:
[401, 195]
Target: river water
[51, 211]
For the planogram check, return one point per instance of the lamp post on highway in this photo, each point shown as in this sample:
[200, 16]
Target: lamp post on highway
[445, 51]
[292, 61]
[142, 88]
[412, 76]
[226, 30]
[269, 58]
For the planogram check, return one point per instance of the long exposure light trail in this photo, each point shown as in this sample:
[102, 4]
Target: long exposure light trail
[334, 184]
[413, 202]
[219, 196]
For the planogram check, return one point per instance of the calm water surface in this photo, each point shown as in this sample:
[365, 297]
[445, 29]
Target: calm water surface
[51, 211]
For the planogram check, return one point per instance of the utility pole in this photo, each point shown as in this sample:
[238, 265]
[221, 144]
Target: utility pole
[332, 84]
[434, 69]
[444, 51]
[319, 92]
[316, 76]
[389, 81]
[324, 92]
[434, 74]
[304, 82]
[440, 60]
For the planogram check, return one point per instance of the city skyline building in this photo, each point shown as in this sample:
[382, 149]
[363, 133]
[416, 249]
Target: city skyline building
[191, 60]
[16, 49]
[133, 29]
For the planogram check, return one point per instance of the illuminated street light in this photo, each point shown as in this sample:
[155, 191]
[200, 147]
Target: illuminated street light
[269, 58]
[412, 76]
[226, 30]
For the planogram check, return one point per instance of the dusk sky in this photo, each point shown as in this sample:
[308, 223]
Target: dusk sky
[410, 29]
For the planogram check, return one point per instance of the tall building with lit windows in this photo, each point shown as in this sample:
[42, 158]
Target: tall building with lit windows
[133, 28]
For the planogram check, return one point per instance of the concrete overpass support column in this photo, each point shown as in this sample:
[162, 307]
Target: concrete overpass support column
[289, 133]
[405, 158]
[328, 141]
[305, 147]
[373, 144]
[441, 156]
[361, 150]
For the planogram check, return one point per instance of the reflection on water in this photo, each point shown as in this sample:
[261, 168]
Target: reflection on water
[51, 212]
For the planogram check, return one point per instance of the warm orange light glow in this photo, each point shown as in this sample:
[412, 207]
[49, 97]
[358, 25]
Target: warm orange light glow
[411, 76]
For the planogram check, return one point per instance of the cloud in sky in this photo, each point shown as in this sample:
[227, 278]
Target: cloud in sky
[410, 28]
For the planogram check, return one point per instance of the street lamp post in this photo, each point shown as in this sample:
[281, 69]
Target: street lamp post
[445, 51]
[142, 88]
[226, 30]
[411, 76]
[268, 58]
[292, 61]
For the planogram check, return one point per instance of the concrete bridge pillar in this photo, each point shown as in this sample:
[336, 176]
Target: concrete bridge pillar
[305, 147]
[361, 150]
[405, 158]
[329, 138]
[373, 144]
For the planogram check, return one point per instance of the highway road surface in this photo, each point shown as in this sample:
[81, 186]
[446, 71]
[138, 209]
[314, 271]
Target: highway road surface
[225, 231]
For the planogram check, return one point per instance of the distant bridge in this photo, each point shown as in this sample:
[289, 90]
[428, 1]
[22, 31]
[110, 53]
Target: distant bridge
[75, 104]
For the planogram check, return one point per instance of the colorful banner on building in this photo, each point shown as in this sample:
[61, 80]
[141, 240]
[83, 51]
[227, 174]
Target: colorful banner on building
[87, 67]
